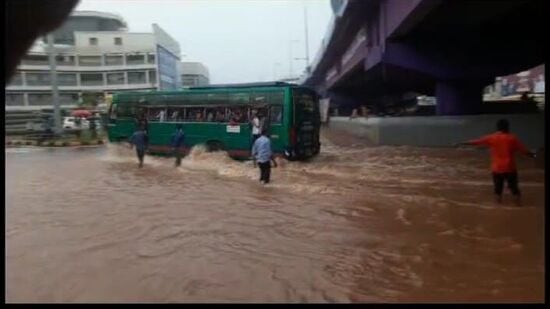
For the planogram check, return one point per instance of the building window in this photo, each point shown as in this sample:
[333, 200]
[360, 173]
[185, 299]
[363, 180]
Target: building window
[14, 100]
[118, 41]
[135, 59]
[89, 60]
[66, 79]
[16, 80]
[39, 79]
[115, 78]
[68, 98]
[114, 60]
[65, 60]
[40, 99]
[150, 58]
[93, 41]
[35, 60]
[136, 78]
[153, 77]
[91, 79]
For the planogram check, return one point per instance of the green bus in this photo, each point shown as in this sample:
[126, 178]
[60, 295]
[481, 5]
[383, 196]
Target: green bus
[219, 117]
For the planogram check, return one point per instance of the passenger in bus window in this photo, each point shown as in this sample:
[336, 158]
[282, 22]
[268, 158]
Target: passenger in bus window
[174, 116]
[220, 115]
[210, 117]
[199, 117]
[161, 115]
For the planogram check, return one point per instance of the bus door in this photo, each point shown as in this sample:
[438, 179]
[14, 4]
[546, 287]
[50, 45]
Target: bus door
[274, 125]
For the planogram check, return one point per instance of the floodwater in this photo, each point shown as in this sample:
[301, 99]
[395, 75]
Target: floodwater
[356, 224]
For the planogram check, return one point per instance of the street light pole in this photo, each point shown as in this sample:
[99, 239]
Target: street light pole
[306, 36]
[290, 59]
[55, 91]
[275, 71]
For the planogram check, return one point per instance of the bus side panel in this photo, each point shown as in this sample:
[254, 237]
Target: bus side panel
[121, 130]
[201, 133]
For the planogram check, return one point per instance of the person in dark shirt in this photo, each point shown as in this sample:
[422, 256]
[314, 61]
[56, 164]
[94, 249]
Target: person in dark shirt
[141, 141]
[178, 139]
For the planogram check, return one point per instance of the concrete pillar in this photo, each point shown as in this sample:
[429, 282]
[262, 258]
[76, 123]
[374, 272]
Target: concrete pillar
[23, 78]
[459, 97]
[26, 99]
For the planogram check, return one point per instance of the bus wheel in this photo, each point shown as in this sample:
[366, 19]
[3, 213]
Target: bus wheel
[213, 146]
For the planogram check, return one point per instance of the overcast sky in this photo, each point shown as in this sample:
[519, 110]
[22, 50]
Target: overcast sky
[238, 40]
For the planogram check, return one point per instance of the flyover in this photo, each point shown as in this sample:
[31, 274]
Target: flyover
[375, 51]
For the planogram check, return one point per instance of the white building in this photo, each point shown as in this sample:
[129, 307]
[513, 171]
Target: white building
[95, 55]
[194, 74]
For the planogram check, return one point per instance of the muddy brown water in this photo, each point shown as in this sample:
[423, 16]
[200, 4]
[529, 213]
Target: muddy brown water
[355, 224]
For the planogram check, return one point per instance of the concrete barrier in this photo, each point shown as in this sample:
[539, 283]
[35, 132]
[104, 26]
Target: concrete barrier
[439, 131]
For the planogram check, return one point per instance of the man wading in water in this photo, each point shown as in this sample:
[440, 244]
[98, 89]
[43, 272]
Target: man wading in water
[140, 140]
[177, 142]
[503, 146]
[261, 152]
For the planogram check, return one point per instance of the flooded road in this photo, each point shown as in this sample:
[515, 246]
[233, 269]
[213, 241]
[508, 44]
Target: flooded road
[356, 224]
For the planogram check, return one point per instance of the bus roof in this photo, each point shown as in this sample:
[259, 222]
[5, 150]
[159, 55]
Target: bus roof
[245, 85]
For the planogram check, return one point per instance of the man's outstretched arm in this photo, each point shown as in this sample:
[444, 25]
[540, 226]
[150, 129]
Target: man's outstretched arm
[475, 142]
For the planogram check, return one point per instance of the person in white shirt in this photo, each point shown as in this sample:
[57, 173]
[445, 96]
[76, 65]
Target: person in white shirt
[256, 129]
[161, 116]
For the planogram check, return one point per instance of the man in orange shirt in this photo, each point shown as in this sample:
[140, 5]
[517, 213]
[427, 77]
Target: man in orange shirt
[503, 146]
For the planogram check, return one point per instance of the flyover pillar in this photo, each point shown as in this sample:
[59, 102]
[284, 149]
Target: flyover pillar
[459, 97]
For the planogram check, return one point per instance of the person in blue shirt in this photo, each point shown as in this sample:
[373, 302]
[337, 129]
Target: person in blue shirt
[178, 139]
[262, 154]
[141, 141]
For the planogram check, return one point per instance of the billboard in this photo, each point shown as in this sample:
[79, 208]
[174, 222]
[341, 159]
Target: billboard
[168, 58]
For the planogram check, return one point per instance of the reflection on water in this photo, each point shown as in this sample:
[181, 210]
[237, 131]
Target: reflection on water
[383, 224]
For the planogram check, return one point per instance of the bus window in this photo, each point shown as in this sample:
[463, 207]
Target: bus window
[125, 111]
[238, 114]
[220, 114]
[174, 114]
[195, 114]
[276, 115]
[156, 114]
[210, 114]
